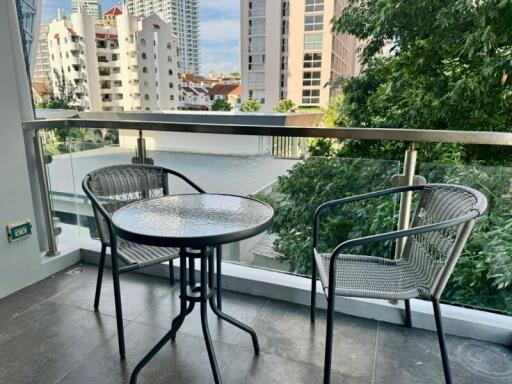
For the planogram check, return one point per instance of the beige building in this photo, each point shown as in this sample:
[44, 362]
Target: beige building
[119, 64]
[288, 51]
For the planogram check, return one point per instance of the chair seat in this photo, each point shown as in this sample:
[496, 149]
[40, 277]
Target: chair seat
[373, 277]
[145, 255]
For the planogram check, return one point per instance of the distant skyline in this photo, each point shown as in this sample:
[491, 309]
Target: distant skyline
[219, 30]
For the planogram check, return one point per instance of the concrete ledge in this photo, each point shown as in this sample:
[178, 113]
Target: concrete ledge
[457, 321]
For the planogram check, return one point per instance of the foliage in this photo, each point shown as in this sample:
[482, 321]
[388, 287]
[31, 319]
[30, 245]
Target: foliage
[63, 98]
[250, 106]
[449, 68]
[221, 104]
[483, 276]
[284, 105]
[333, 116]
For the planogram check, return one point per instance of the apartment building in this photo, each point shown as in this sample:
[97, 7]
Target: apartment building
[288, 51]
[118, 64]
[183, 15]
[42, 69]
[91, 7]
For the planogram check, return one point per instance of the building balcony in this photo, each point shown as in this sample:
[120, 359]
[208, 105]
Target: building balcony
[261, 285]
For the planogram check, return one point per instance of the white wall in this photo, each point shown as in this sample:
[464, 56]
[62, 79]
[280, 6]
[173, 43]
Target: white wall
[199, 142]
[20, 262]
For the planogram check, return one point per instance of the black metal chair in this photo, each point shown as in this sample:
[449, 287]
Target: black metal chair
[442, 222]
[111, 188]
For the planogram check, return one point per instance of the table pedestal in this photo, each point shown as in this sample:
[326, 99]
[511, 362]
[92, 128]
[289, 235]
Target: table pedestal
[202, 293]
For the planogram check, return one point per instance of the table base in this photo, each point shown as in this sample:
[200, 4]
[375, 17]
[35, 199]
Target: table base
[203, 294]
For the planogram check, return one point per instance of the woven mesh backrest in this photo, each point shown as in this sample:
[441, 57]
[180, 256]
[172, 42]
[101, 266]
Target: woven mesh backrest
[119, 185]
[429, 252]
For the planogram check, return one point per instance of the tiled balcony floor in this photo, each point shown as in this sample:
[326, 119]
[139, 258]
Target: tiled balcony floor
[50, 334]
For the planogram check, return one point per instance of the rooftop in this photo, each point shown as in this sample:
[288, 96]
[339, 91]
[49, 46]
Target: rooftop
[50, 334]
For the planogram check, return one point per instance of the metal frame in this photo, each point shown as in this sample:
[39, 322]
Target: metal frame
[116, 269]
[467, 220]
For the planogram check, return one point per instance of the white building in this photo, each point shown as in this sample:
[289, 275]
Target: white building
[183, 15]
[120, 64]
[42, 69]
[91, 7]
[289, 51]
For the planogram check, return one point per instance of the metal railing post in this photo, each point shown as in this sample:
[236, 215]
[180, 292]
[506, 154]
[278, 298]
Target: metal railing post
[141, 148]
[404, 214]
[45, 195]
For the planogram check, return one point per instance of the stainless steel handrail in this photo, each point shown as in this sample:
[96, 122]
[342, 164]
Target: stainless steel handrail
[393, 134]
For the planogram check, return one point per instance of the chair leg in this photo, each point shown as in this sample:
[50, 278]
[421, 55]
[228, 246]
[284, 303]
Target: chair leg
[313, 290]
[328, 338]
[171, 272]
[408, 316]
[442, 341]
[100, 277]
[119, 311]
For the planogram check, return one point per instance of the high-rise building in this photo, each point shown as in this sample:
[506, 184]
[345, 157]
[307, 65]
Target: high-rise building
[29, 15]
[42, 68]
[183, 15]
[91, 7]
[289, 51]
[120, 64]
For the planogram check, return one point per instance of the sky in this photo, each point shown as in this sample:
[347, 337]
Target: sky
[219, 28]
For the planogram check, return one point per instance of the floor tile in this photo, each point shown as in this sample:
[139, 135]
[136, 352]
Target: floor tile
[285, 330]
[242, 307]
[47, 341]
[14, 305]
[248, 368]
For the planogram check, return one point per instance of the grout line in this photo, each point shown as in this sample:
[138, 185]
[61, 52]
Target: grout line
[375, 353]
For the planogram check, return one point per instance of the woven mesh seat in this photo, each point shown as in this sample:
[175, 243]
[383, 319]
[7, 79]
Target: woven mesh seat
[144, 255]
[423, 258]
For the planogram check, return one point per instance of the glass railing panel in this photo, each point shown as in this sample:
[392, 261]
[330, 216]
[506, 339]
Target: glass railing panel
[311, 182]
[483, 275]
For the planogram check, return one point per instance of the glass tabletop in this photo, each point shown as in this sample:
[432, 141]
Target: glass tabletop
[192, 220]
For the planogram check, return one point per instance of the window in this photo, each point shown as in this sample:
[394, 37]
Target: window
[312, 41]
[310, 79]
[256, 8]
[169, 59]
[146, 97]
[311, 96]
[171, 85]
[256, 79]
[170, 72]
[144, 70]
[145, 83]
[312, 60]
[169, 46]
[313, 23]
[143, 42]
[256, 62]
[314, 5]
[144, 56]
[257, 26]
[257, 44]
[171, 97]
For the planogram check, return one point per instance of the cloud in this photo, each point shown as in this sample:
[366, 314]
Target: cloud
[215, 31]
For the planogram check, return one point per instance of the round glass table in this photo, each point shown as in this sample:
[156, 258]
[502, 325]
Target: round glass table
[196, 224]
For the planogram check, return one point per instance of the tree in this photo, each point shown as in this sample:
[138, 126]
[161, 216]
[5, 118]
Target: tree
[333, 116]
[221, 104]
[63, 96]
[449, 68]
[250, 106]
[284, 105]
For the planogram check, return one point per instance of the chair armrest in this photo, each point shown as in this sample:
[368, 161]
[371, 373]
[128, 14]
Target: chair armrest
[185, 179]
[352, 199]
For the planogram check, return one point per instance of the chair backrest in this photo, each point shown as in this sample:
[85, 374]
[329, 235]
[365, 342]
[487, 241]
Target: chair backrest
[434, 254]
[118, 185]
